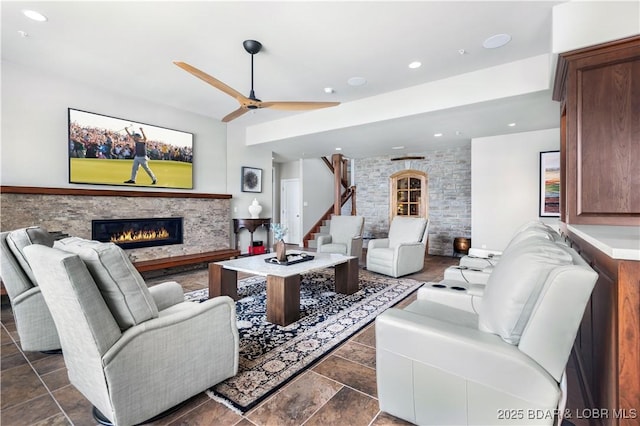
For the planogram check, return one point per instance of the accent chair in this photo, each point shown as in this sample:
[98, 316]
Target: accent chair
[403, 251]
[131, 354]
[35, 326]
[345, 236]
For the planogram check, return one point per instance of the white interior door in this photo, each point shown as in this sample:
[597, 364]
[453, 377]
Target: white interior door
[290, 210]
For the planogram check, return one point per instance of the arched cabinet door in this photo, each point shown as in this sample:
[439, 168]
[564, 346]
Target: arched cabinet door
[408, 194]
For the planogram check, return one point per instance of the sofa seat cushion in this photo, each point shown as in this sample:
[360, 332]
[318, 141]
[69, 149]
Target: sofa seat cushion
[120, 284]
[384, 255]
[18, 239]
[333, 248]
[514, 286]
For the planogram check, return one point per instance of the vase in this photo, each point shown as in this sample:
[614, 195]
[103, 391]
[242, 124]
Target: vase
[281, 251]
[254, 209]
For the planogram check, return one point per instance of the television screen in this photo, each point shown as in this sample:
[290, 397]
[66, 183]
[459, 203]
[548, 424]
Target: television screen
[113, 151]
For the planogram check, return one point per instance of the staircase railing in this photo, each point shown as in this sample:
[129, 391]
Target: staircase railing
[349, 193]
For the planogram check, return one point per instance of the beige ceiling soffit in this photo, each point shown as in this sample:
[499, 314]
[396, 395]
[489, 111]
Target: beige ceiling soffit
[516, 78]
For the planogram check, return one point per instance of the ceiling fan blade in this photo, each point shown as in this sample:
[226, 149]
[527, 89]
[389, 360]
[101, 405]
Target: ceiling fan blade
[211, 80]
[235, 114]
[297, 106]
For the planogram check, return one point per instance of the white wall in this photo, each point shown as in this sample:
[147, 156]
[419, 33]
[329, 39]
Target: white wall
[35, 130]
[578, 24]
[504, 184]
[238, 155]
[317, 191]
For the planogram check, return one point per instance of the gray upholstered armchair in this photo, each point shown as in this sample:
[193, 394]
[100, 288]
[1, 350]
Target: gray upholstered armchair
[403, 251]
[345, 236]
[438, 364]
[36, 329]
[132, 355]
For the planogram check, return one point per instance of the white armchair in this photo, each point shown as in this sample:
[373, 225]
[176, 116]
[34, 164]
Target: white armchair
[131, 357]
[439, 365]
[403, 251]
[345, 236]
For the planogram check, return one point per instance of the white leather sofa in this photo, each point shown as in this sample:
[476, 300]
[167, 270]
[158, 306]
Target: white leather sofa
[497, 361]
[479, 263]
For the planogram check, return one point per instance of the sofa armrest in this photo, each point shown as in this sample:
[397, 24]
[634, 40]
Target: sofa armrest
[323, 239]
[355, 246]
[211, 318]
[167, 294]
[378, 243]
[484, 253]
[464, 352]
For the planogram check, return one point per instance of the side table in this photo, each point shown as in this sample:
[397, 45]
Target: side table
[251, 225]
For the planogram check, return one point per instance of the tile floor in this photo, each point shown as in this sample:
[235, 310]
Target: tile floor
[338, 390]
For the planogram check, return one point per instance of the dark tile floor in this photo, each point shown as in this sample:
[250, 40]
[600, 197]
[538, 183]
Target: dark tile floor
[338, 390]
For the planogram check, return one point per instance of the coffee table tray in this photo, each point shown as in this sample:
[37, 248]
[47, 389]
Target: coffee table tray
[292, 258]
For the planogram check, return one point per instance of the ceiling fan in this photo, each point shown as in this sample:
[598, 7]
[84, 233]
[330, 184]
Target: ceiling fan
[251, 102]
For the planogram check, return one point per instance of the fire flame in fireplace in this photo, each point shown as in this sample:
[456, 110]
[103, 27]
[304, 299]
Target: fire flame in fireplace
[131, 236]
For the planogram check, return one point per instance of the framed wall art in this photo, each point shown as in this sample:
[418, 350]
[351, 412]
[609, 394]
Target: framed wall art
[251, 179]
[549, 184]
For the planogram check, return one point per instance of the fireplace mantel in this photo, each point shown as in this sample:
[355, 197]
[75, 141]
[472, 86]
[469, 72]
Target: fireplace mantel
[207, 217]
[107, 192]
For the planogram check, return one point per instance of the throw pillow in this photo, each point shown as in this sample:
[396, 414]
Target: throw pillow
[120, 284]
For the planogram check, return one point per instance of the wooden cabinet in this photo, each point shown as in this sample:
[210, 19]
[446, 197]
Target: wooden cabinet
[608, 340]
[408, 194]
[599, 91]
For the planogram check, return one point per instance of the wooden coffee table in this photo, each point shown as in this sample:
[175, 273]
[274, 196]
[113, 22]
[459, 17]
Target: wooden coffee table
[283, 281]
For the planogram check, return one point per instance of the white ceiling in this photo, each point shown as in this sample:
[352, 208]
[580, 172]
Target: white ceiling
[128, 47]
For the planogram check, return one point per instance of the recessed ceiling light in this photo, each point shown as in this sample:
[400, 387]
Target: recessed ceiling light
[462, 51]
[397, 147]
[338, 149]
[511, 124]
[328, 90]
[23, 34]
[415, 64]
[357, 81]
[437, 135]
[36, 16]
[497, 40]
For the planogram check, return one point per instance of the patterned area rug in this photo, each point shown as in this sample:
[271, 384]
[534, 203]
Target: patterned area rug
[272, 355]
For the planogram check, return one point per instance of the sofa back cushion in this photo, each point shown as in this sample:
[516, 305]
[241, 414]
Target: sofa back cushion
[406, 230]
[18, 239]
[344, 228]
[120, 284]
[515, 284]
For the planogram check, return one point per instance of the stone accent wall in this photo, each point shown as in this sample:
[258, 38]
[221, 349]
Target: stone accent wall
[449, 182]
[207, 221]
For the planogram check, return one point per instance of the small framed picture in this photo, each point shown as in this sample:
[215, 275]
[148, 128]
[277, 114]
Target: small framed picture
[549, 184]
[251, 179]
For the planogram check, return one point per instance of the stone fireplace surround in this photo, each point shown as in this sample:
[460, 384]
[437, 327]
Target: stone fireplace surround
[207, 217]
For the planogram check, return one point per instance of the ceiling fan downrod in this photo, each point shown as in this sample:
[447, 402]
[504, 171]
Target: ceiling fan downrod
[252, 47]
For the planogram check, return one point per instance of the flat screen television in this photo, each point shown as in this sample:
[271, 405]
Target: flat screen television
[107, 150]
